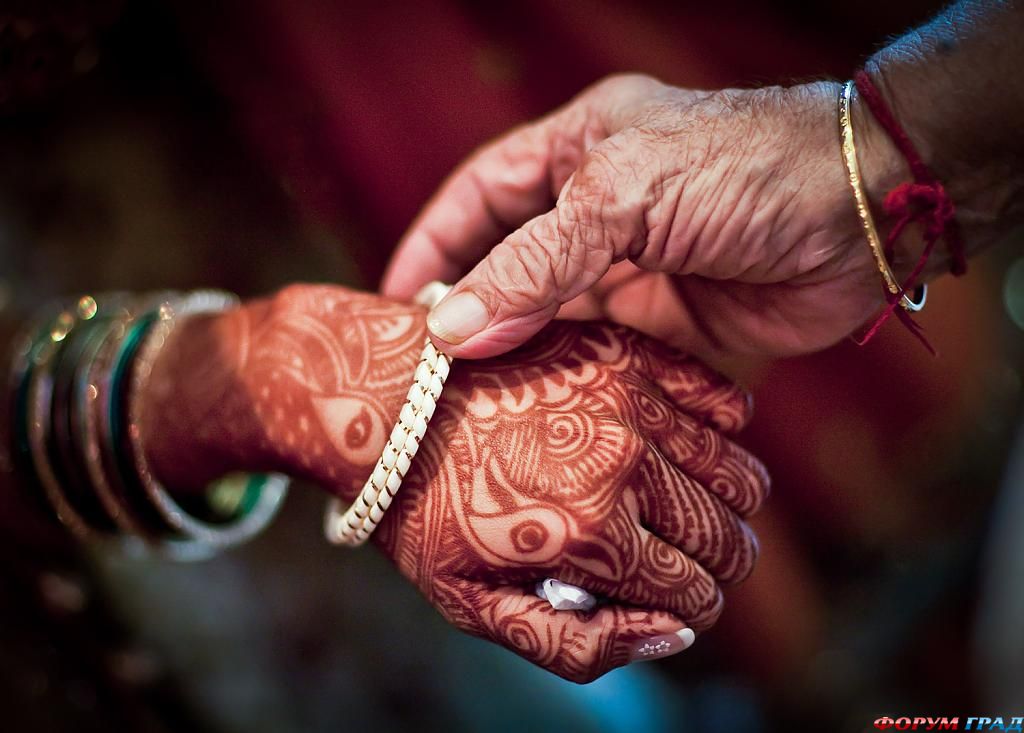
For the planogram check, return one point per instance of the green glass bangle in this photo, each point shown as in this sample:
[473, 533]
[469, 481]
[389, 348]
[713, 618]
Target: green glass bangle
[148, 533]
[129, 518]
[31, 343]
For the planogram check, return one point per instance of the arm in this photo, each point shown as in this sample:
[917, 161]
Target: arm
[954, 85]
[719, 221]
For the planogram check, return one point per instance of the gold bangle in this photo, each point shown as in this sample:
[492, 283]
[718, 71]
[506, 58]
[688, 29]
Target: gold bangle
[864, 209]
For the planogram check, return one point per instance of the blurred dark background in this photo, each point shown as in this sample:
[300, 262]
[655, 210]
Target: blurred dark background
[256, 143]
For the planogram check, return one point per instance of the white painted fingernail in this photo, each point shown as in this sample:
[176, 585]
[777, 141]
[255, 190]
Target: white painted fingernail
[687, 637]
[664, 645]
[457, 318]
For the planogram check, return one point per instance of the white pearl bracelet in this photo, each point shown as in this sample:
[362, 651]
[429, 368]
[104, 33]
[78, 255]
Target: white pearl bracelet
[354, 525]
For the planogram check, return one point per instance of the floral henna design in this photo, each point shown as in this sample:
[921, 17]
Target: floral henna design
[592, 454]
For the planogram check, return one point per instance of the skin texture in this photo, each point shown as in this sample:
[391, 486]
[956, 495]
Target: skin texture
[593, 454]
[728, 212]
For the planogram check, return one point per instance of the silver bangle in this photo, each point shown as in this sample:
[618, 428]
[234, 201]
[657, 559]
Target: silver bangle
[268, 490]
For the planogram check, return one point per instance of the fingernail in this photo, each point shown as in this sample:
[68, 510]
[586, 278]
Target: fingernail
[457, 318]
[664, 645]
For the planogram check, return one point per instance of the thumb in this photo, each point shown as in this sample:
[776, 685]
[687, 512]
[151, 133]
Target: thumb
[518, 288]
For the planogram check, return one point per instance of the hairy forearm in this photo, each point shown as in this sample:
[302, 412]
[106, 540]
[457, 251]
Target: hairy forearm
[955, 86]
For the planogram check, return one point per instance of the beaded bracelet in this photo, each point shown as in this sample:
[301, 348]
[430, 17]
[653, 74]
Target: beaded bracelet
[353, 526]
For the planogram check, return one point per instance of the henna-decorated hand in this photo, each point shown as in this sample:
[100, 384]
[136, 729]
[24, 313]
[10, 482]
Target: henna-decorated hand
[592, 454]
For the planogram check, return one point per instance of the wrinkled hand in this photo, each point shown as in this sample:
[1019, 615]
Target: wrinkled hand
[593, 454]
[731, 208]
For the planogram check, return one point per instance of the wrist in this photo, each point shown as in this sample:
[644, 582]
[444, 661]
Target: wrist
[820, 158]
[950, 86]
[883, 168]
[195, 424]
[324, 377]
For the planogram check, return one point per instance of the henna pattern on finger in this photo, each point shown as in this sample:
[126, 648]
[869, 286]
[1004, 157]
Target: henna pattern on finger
[721, 466]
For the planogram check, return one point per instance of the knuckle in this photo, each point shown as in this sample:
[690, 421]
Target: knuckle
[747, 550]
[586, 675]
[549, 257]
[594, 186]
[619, 441]
[520, 271]
[290, 296]
[447, 612]
[708, 615]
[306, 298]
[628, 82]
[728, 407]
[762, 484]
[591, 661]
[610, 195]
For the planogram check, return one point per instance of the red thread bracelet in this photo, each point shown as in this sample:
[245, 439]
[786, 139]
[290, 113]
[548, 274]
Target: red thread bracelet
[923, 200]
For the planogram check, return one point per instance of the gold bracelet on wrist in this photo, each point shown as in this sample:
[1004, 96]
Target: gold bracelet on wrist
[864, 209]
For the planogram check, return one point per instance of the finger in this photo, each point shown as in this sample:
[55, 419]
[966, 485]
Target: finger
[669, 579]
[584, 307]
[653, 574]
[680, 511]
[497, 189]
[576, 645]
[698, 390]
[589, 305]
[508, 182]
[523, 281]
[666, 307]
[695, 448]
[725, 469]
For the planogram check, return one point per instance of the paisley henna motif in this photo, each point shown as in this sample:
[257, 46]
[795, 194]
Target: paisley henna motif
[592, 454]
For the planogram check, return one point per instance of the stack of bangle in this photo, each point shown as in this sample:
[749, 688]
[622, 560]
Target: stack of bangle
[74, 407]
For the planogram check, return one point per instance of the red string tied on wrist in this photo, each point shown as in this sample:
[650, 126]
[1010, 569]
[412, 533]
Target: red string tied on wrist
[924, 201]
